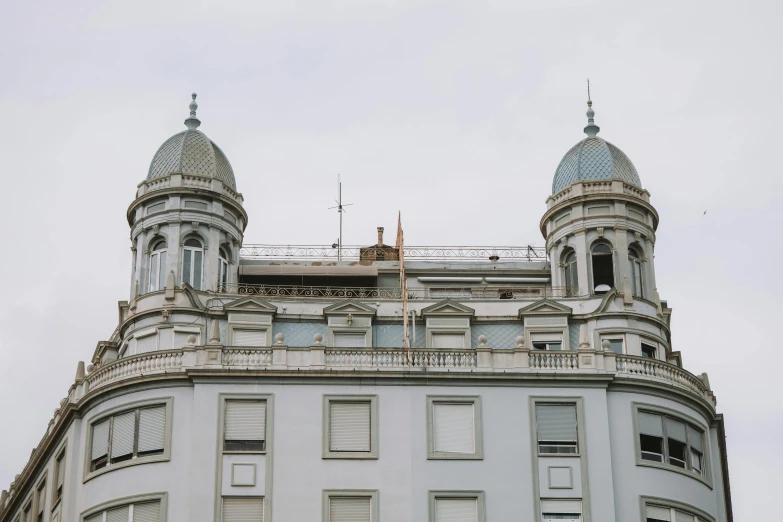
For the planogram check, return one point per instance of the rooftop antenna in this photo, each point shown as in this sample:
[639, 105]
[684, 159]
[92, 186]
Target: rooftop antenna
[340, 209]
[588, 92]
[592, 129]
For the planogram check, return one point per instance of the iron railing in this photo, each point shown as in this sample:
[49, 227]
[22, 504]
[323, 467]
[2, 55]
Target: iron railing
[353, 252]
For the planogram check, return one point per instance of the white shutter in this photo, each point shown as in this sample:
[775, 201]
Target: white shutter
[696, 439]
[117, 514]
[350, 509]
[681, 516]
[148, 343]
[456, 510]
[243, 509]
[146, 512]
[350, 340]
[152, 428]
[675, 429]
[561, 510]
[657, 513]
[122, 434]
[100, 439]
[95, 518]
[245, 420]
[247, 337]
[650, 424]
[444, 340]
[349, 426]
[454, 428]
[556, 422]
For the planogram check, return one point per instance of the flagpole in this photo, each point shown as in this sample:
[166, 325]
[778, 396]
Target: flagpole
[403, 284]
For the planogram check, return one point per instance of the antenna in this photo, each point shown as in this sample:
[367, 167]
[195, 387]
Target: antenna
[340, 211]
[588, 90]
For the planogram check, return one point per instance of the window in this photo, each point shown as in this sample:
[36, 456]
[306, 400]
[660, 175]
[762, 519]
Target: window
[670, 441]
[546, 340]
[571, 277]
[448, 340]
[637, 277]
[456, 506]
[616, 345]
[245, 426]
[129, 435]
[243, 509]
[350, 339]
[222, 270]
[658, 513]
[192, 263]
[27, 512]
[649, 351]
[561, 510]
[603, 268]
[59, 473]
[557, 429]
[40, 501]
[136, 512]
[454, 428]
[547, 345]
[351, 506]
[248, 336]
[350, 427]
[156, 278]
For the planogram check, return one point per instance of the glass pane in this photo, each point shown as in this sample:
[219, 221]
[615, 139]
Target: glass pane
[696, 461]
[676, 453]
[162, 278]
[186, 268]
[616, 345]
[153, 280]
[555, 346]
[192, 243]
[197, 269]
[652, 447]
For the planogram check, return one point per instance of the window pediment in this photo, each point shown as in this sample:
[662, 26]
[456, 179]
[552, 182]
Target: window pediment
[448, 308]
[545, 307]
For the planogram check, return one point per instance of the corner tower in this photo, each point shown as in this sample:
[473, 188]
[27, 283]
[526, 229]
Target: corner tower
[187, 221]
[599, 224]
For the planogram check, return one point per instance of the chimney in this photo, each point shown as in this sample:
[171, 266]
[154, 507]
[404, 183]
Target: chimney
[380, 237]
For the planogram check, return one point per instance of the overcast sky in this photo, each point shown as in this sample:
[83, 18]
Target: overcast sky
[456, 113]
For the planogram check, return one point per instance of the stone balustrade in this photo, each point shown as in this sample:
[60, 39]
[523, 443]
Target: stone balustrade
[144, 364]
[629, 365]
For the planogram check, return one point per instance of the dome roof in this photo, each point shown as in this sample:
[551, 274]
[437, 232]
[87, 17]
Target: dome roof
[594, 158]
[191, 152]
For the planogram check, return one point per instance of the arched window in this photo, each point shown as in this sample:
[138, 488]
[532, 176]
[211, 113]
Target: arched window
[156, 278]
[637, 277]
[192, 263]
[570, 273]
[603, 268]
[222, 270]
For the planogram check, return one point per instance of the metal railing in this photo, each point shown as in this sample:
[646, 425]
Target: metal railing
[395, 293]
[354, 252]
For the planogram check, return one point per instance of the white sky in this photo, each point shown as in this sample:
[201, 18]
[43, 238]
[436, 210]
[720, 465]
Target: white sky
[456, 113]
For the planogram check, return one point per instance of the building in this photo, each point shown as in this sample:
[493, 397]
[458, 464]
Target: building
[247, 383]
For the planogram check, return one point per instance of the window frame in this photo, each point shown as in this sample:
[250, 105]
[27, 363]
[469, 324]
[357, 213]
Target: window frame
[466, 341]
[579, 426]
[571, 272]
[672, 504]
[167, 402]
[222, 280]
[37, 494]
[161, 497]
[636, 271]
[478, 495]
[224, 399]
[60, 459]
[706, 475]
[263, 503]
[611, 255]
[159, 253]
[192, 267]
[326, 452]
[261, 327]
[475, 400]
[372, 494]
[643, 342]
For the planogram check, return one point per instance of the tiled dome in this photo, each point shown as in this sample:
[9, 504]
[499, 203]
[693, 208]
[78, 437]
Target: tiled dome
[191, 152]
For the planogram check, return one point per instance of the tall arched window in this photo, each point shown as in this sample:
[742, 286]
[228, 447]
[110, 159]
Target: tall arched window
[570, 273]
[156, 278]
[637, 276]
[192, 263]
[603, 268]
[222, 270]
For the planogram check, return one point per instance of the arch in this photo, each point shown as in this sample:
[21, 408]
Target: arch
[602, 260]
[636, 272]
[570, 272]
[157, 252]
[223, 261]
[193, 261]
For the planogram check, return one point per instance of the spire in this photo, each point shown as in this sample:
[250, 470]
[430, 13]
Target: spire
[192, 122]
[592, 129]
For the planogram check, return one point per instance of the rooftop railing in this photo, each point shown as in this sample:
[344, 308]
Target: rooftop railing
[412, 253]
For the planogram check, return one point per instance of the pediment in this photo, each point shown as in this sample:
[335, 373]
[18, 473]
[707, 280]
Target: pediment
[545, 307]
[349, 307]
[449, 308]
[251, 304]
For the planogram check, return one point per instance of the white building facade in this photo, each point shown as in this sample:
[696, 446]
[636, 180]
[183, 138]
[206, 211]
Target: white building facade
[259, 382]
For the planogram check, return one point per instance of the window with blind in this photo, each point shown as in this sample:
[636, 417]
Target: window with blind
[454, 425]
[657, 513]
[142, 511]
[129, 435]
[456, 506]
[448, 340]
[59, 474]
[351, 426]
[245, 426]
[556, 427]
[40, 501]
[243, 509]
[670, 441]
[350, 339]
[561, 510]
[351, 506]
[248, 337]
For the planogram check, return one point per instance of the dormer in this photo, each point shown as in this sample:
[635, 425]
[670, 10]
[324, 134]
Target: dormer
[545, 325]
[349, 325]
[250, 322]
[448, 324]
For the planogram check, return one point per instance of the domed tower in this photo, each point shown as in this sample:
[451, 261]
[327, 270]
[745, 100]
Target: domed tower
[599, 224]
[187, 220]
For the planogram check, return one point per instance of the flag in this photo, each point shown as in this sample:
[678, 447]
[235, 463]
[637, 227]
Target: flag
[403, 284]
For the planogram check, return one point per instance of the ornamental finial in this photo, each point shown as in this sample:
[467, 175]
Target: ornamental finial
[192, 122]
[592, 129]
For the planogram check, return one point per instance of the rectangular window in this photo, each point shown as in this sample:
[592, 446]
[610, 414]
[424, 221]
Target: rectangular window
[454, 425]
[547, 340]
[137, 512]
[248, 337]
[243, 509]
[245, 426]
[548, 345]
[350, 508]
[671, 441]
[616, 345]
[561, 510]
[128, 435]
[649, 351]
[59, 473]
[351, 424]
[40, 501]
[557, 429]
[27, 512]
[656, 513]
[350, 339]
[448, 340]
[456, 506]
